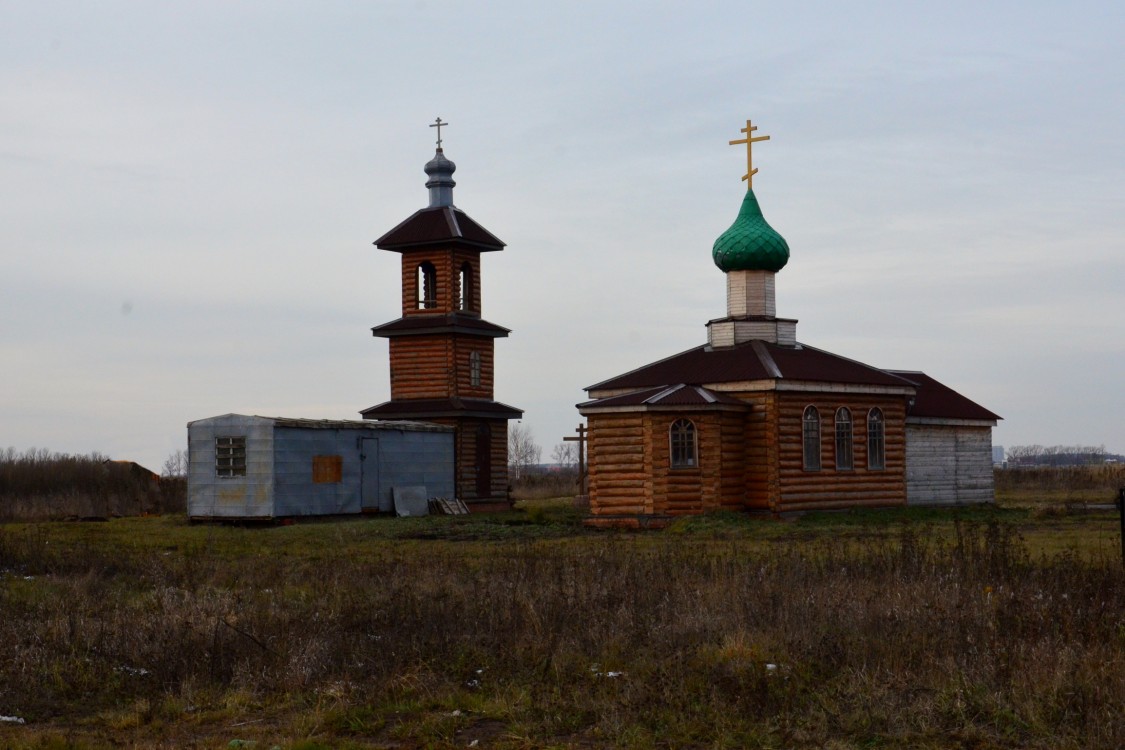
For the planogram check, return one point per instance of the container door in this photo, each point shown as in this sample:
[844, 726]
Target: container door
[369, 476]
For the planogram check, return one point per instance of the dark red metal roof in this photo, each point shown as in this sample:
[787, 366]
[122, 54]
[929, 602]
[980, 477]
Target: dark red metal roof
[440, 323]
[809, 363]
[423, 408]
[676, 395]
[937, 400]
[440, 224]
[753, 360]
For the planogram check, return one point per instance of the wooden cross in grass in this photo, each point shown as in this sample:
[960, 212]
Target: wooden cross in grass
[580, 438]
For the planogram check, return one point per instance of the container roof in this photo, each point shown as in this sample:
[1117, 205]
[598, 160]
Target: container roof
[330, 424]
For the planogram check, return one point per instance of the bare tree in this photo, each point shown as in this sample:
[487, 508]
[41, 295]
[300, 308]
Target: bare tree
[564, 455]
[176, 464]
[523, 451]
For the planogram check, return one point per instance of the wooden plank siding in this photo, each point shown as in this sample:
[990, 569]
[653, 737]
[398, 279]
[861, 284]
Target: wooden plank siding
[447, 262]
[949, 464]
[975, 477]
[829, 487]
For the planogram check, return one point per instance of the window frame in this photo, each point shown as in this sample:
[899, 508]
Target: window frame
[876, 439]
[845, 440]
[474, 369]
[811, 435]
[230, 456]
[683, 444]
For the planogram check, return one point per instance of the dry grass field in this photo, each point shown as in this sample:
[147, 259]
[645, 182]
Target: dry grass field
[975, 628]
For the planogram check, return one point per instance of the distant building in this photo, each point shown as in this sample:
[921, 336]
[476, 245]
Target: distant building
[756, 420]
[441, 349]
[134, 468]
[998, 456]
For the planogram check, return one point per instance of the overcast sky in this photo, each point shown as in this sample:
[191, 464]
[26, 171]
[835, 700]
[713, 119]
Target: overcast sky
[189, 193]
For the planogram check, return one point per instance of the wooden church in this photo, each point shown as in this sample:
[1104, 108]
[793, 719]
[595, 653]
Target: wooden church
[441, 349]
[756, 420]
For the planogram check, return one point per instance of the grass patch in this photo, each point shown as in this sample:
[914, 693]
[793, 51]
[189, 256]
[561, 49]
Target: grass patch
[983, 627]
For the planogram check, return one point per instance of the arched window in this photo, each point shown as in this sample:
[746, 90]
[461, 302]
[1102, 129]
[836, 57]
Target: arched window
[427, 285]
[843, 438]
[474, 369]
[467, 290]
[876, 442]
[810, 438]
[681, 436]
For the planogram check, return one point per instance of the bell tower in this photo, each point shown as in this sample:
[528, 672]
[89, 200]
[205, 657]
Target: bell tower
[441, 349]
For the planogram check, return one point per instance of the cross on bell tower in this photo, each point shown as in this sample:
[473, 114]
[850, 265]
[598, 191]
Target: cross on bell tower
[441, 349]
[437, 124]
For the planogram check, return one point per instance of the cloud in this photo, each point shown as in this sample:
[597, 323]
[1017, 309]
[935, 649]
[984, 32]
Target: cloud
[944, 175]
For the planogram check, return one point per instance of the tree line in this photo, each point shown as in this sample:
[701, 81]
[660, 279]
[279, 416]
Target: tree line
[39, 484]
[1059, 455]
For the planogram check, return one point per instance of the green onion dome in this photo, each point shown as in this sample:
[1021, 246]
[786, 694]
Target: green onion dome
[750, 244]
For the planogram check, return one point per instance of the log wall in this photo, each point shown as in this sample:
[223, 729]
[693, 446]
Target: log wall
[465, 453]
[620, 464]
[749, 460]
[720, 475]
[732, 455]
[759, 450]
[437, 366]
[690, 490]
[463, 347]
[630, 464]
[831, 488]
[948, 465]
[421, 367]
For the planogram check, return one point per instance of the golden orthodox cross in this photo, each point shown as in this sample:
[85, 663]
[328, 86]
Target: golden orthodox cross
[749, 141]
[438, 123]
